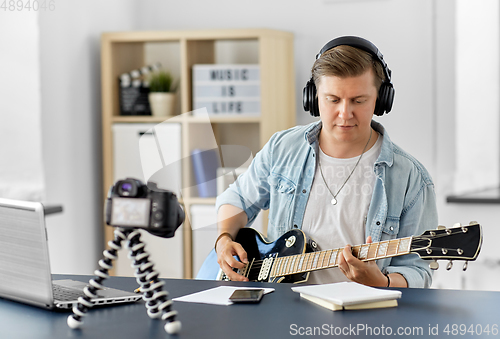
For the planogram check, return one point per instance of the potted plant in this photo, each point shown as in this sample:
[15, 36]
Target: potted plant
[162, 88]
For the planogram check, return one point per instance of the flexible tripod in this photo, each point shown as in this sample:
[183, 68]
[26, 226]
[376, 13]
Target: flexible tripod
[157, 303]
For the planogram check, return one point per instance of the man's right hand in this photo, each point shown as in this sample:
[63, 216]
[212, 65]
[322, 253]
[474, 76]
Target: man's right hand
[226, 249]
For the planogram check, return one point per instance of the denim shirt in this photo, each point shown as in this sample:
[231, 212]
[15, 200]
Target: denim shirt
[280, 177]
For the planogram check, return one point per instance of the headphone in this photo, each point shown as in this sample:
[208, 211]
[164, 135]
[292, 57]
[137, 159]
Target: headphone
[386, 92]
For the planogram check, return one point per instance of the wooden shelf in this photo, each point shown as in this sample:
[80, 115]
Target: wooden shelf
[209, 34]
[226, 120]
[190, 119]
[201, 201]
[145, 119]
[178, 51]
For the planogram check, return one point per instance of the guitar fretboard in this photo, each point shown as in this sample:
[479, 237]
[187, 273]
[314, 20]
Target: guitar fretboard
[327, 259]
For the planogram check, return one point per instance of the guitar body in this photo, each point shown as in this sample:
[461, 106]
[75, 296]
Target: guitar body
[291, 243]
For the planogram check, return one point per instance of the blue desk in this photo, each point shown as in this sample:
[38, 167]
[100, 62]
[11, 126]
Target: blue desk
[280, 314]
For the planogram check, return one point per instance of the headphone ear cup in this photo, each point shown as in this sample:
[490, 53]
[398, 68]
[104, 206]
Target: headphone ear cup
[390, 97]
[382, 100]
[309, 101]
[379, 103]
[305, 98]
[314, 101]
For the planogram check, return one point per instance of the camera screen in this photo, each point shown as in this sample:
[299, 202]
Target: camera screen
[130, 212]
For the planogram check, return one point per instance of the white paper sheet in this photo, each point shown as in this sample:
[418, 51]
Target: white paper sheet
[216, 296]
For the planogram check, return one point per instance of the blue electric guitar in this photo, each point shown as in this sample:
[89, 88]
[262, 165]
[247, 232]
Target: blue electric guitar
[292, 256]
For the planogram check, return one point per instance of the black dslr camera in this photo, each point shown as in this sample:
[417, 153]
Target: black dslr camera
[131, 204]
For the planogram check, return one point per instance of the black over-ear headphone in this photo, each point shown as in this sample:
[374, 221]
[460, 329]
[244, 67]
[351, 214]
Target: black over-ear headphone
[386, 93]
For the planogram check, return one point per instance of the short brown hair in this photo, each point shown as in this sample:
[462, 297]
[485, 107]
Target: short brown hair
[346, 61]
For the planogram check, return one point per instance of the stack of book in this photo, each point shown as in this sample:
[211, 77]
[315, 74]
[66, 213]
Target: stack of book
[348, 296]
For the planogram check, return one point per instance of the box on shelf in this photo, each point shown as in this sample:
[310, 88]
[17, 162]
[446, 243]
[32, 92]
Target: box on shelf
[136, 154]
[227, 89]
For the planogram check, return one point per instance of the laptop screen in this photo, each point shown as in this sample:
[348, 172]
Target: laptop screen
[24, 258]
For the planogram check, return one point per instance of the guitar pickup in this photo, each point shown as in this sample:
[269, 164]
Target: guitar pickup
[265, 269]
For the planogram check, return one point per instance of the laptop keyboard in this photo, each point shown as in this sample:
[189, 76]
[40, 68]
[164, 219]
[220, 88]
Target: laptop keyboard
[66, 294]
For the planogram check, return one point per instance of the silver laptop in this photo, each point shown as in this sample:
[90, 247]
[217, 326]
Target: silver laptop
[25, 274]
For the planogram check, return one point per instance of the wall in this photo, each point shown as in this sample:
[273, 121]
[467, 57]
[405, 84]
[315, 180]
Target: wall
[402, 30]
[71, 108]
[21, 166]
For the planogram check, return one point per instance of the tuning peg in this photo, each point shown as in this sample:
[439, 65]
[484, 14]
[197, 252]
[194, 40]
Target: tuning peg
[434, 265]
[449, 265]
[466, 264]
[441, 227]
[457, 225]
[473, 223]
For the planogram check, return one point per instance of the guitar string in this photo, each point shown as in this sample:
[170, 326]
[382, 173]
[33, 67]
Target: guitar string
[453, 232]
[258, 263]
[422, 238]
[290, 270]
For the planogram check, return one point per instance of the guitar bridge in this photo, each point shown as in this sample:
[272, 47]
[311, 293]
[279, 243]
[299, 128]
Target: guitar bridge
[246, 270]
[243, 271]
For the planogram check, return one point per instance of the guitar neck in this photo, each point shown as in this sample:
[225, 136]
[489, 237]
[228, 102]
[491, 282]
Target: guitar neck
[314, 261]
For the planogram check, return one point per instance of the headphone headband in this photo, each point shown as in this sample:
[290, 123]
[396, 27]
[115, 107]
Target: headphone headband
[359, 43]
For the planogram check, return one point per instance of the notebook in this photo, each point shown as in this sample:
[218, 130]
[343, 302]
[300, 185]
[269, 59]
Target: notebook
[348, 295]
[25, 274]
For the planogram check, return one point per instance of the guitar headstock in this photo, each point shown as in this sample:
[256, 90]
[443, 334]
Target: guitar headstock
[455, 243]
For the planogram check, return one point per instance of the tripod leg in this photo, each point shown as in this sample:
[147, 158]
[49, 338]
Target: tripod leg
[157, 302]
[84, 303]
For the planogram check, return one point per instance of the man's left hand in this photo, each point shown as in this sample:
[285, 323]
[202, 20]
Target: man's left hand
[366, 273]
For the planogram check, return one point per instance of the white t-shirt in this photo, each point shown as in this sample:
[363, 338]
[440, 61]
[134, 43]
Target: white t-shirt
[334, 226]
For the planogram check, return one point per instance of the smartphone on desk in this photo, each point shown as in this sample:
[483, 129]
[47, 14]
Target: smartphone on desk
[247, 296]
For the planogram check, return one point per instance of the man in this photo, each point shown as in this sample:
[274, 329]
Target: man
[341, 180]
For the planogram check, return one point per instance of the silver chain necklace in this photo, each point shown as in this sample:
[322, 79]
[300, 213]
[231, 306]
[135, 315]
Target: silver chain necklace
[334, 199]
